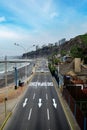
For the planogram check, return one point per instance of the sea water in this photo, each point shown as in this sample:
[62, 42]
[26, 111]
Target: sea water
[10, 66]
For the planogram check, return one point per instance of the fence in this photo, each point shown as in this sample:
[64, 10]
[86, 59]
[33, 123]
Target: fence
[81, 119]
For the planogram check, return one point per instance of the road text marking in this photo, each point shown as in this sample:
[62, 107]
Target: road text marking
[40, 102]
[35, 84]
[25, 102]
[54, 103]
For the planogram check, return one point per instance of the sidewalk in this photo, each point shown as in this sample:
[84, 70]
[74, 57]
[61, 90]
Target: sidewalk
[13, 97]
[69, 115]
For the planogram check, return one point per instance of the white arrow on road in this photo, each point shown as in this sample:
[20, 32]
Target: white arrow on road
[40, 103]
[54, 103]
[25, 102]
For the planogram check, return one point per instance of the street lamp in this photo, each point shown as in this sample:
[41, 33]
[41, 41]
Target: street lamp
[21, 47]
[6, 86]
[25, 57]
[25, 50]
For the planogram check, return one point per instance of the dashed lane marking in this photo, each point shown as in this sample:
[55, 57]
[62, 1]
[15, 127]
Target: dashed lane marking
[30, 114]
[48, 116]
[46, 96]
[34, 96]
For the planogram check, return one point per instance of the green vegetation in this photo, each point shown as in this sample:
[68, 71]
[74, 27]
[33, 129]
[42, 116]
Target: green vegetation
[55, 60]
[63, 52]
[76, 52]
[52, 68]
[79, 50]
[84, 39]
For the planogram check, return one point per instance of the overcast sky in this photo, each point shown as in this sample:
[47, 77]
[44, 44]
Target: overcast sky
[28, 22]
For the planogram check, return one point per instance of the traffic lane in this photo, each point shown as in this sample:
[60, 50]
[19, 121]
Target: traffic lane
[39, 112]
[53, 119]
[42, 113]
[19, 118]
[21, 115]
[57, 113]
[56, 107]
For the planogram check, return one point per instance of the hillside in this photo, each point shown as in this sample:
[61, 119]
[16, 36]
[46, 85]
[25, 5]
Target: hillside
[79, 41]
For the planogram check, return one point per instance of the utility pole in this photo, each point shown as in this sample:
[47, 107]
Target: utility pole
[6, 86]
[6, 71]
[16, 76]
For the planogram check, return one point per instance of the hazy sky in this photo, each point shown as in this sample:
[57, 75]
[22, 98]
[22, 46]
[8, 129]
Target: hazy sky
[28, 22]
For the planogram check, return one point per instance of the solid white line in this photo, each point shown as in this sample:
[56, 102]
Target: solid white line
[30, 114]
[48, 116]
[46, 96]
[34, 96]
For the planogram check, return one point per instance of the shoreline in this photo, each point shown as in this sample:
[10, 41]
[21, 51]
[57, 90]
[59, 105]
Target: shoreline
[11, 76]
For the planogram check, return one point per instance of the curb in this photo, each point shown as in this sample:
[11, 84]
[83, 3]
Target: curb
[66, 109]
[6, 119]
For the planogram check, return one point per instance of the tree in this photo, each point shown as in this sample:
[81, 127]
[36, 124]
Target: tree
[76, 52]
[63, 52]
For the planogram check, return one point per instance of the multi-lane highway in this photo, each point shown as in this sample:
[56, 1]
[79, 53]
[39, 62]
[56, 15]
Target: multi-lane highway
[39, 109]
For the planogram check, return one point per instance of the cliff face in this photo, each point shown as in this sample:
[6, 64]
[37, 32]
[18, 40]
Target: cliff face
[80, 41]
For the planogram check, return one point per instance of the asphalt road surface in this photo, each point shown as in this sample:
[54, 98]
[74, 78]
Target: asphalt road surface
[40, 108]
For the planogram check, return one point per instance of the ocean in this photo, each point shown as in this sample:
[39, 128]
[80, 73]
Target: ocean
[10, 66]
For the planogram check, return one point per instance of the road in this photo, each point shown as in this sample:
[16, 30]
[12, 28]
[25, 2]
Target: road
[40, 108]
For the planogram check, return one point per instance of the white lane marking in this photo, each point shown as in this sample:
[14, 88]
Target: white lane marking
[34, 96]
[40, 102]
[30, 114]
[46, 96]
[48, 116]
[54, 103]
[25, 102]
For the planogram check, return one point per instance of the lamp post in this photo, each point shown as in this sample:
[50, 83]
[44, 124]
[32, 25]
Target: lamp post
[25, 57]
[25, 50]
[6, 86]
[16, 76]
